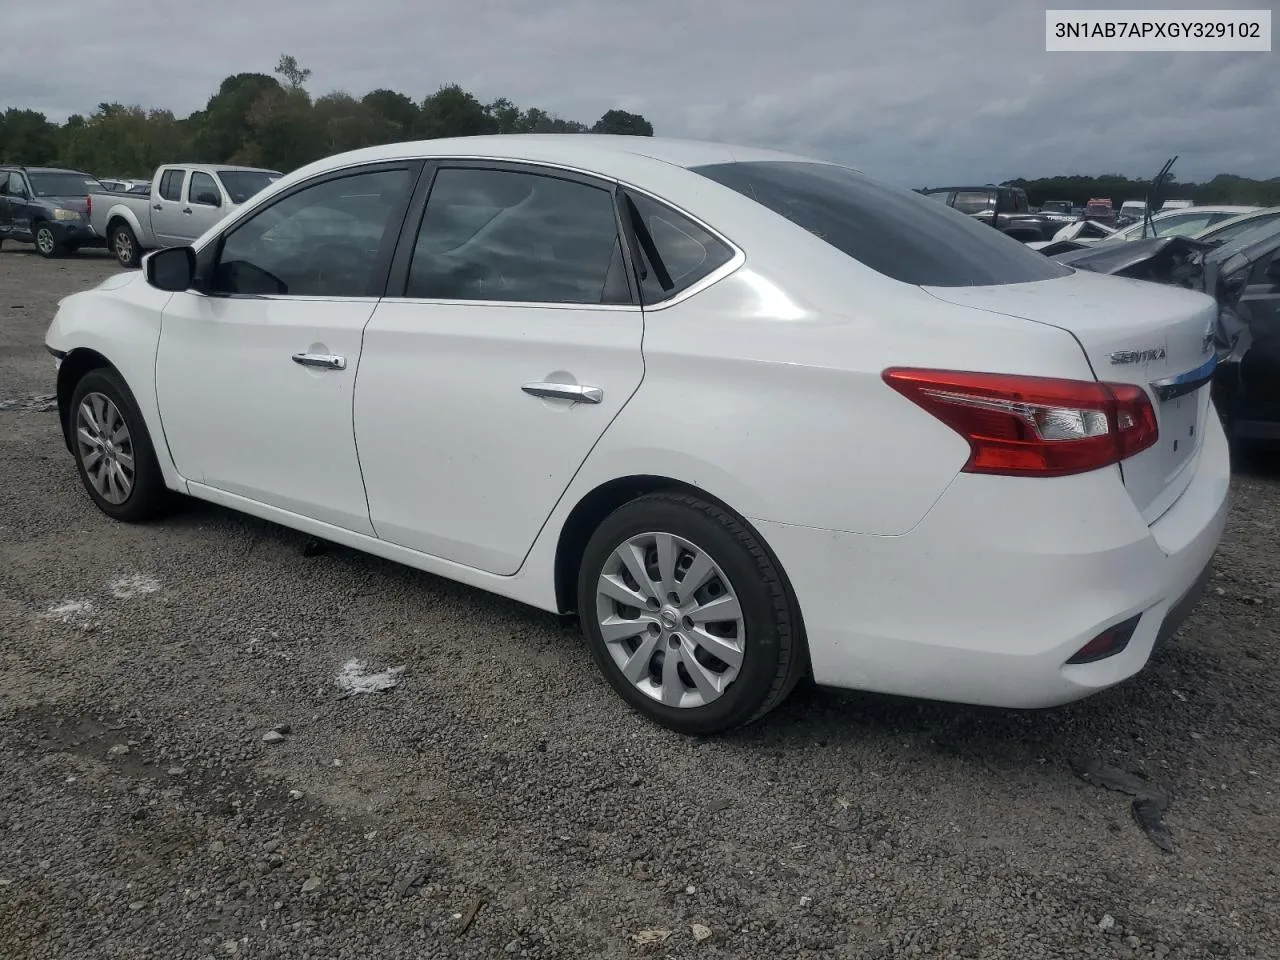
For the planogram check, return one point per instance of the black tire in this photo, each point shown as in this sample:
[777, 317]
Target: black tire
[125, 245]
[48, 244]
[773, 649]
[148, 498]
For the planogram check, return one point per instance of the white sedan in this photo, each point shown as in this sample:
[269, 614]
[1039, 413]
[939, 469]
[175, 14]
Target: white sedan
[748, 414]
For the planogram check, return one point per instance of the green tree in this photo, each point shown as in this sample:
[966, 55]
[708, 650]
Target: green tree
[452, 112]
[619, 121]
[396, 108]
[27, 137]
[272, 121]
[295, 76]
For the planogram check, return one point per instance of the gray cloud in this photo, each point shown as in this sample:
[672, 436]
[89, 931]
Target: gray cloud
[915, 91]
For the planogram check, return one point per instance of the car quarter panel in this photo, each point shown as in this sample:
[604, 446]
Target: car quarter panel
[777, 407]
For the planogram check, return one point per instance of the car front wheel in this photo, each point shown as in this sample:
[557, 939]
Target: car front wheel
[688, 615]
[113, 450]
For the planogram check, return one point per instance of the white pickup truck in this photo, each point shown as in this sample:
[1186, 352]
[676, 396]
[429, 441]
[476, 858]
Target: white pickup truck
[186, 199]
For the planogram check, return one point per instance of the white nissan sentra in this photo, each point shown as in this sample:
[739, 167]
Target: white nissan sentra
[748, 414]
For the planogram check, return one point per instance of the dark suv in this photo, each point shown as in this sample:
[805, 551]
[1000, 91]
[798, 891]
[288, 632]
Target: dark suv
[47, 207]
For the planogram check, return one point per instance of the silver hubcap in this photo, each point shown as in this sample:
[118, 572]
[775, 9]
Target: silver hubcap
[670, 619]
[44, 240]
[124, 246]
[105, 447]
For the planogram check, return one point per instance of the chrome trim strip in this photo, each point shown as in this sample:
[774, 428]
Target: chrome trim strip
[1179, 385]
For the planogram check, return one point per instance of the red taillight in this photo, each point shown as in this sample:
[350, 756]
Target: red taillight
[88, 206]
[1034, 426]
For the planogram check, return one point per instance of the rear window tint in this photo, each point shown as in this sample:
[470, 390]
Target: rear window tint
[894, 231]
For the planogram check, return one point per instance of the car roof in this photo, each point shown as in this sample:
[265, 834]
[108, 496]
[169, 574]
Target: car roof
[606, 154]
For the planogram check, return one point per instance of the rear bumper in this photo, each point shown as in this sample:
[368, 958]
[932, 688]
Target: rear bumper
[1005, 579]
[76, 233]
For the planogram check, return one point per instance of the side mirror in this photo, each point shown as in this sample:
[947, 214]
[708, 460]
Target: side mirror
[172, 269]
[209, 199]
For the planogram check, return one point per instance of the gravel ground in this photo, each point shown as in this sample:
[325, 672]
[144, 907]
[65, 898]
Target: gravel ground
[501, 801]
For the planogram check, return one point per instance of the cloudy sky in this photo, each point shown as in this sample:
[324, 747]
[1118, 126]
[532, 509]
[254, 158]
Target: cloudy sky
[915, 91]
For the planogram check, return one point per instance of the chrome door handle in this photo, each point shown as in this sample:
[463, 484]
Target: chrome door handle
[325, 361]
[565, 391]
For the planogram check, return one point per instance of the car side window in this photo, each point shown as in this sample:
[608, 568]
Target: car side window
[973, 201]
[171, 184]
[201, 184]
[517, 237]
[687, 251]
[322, 241]
[13, 185]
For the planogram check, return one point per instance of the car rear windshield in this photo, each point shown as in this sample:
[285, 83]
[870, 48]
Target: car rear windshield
[243, 184]
[62, 184]
[894, 231]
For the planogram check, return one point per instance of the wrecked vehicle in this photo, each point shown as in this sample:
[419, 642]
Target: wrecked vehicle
[1005, 208]
[1243, 275]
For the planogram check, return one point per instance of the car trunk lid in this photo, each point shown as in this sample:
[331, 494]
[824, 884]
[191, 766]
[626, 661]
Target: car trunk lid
[1154, 336]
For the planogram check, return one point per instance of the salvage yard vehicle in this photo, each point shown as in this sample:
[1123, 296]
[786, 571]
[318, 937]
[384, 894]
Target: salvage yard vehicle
[47, 207]
[1242, 271]
[1005, 208]
[183, 202]
[746, 414]
[1175, 223]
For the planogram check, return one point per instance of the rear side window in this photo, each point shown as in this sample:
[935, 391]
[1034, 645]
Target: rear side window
[688, 252]
[171, 184]
[894, 231]
[973, 201]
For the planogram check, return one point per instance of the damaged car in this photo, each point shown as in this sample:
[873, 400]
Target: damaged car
[1241, 272]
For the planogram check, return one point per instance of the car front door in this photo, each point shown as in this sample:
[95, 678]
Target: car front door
[15, 216]
[509, 340]
[256, 367]
[167, 206]
[204, 205]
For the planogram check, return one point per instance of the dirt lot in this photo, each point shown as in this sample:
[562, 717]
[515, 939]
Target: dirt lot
[501, 801]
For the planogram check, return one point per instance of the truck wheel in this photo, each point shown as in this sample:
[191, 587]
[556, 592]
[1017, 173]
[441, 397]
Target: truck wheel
[125, 246]
[47, 243]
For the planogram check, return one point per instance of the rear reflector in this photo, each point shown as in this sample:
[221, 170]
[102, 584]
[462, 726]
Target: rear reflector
[1108, 643]
[1033, 426]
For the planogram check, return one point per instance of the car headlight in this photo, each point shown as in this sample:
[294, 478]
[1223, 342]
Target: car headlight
[63, 214]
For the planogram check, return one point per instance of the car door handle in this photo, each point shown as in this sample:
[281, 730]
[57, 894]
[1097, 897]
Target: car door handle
[580, 393]
[157, 206]
[186, 209]
[326, 361]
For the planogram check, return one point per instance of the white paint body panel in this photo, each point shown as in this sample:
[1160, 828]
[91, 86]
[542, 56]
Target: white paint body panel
[458, 461]
[240, 416]
[764, 390]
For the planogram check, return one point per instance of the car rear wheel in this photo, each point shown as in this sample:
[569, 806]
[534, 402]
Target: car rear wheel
[688, 615]
[47, 243]
[113, 451]
[125, 246]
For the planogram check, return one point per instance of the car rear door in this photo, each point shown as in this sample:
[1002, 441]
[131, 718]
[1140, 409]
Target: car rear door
[509, 339]
[1259, 308]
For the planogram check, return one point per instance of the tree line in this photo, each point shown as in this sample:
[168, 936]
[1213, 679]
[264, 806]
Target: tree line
[271, 121]
[1224, 188]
